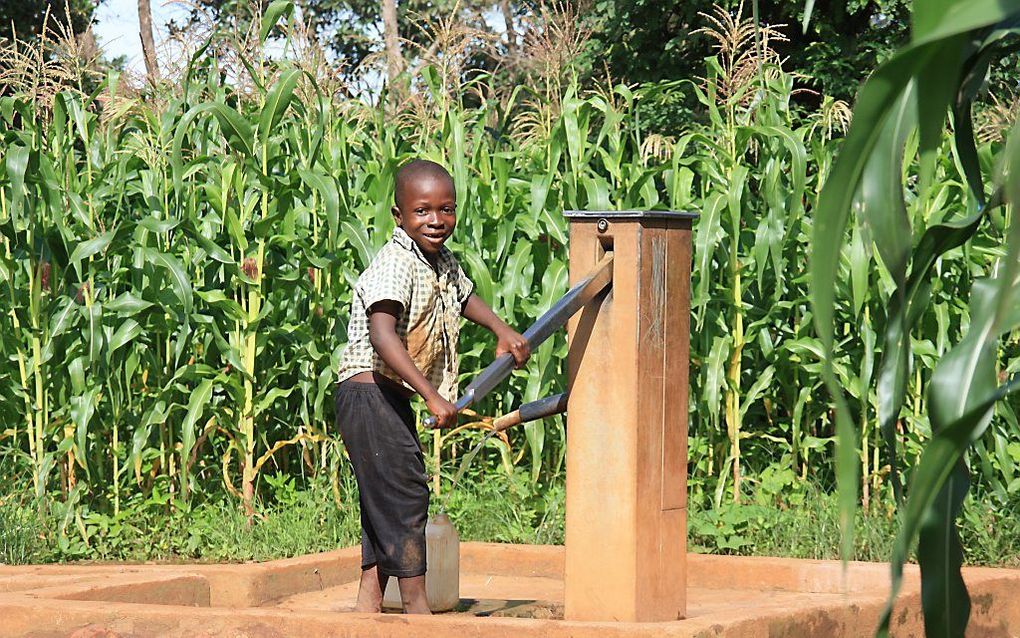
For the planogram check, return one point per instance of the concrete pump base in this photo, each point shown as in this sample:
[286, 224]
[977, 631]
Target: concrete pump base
[506, 590]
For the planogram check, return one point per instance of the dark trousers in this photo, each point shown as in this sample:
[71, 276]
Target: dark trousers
[377, 427]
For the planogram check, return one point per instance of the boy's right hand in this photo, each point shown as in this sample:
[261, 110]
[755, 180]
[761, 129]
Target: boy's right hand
[444, 411]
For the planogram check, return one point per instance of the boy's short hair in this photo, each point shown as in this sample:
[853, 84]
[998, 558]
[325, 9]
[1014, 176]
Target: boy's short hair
[415, 169]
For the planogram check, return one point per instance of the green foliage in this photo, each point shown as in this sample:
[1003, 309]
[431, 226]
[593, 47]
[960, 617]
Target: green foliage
[351, 30]
[803, 521]
[290, 522]
[643, 41]
[901, 111]
[177, 277]
[26, 19]
[509, 509]
[176, 273]
[799, 521]
[18, 533]
[216, 530]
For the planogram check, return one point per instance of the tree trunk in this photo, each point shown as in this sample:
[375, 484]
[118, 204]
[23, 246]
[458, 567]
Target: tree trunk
[148, 43]
[391, 39]
[511, 32]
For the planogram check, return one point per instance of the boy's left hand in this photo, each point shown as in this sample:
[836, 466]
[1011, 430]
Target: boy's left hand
[510, 341]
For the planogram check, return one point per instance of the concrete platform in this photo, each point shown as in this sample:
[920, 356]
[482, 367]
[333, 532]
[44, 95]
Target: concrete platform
[506, 590]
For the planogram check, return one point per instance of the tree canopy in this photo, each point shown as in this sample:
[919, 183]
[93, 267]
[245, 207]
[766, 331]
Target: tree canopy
[353, 29]
[26, 18]
[653, 40]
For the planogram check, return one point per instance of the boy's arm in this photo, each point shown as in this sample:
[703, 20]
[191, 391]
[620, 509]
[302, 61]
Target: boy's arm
[382, 333]
[507, 339]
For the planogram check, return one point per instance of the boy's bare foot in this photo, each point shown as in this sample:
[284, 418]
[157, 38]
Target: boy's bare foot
[412, 594]
[370, 591]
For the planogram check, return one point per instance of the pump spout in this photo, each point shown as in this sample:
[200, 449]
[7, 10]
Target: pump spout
[555, 404]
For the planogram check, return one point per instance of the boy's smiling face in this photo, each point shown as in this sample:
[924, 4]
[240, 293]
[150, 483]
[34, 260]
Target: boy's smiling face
[426, 210]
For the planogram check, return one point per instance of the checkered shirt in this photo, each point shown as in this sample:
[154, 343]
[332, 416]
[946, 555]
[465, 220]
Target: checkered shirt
[429, 326]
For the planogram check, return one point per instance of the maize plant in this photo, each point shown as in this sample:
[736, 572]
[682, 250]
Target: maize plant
[176, 271]
[898, 133]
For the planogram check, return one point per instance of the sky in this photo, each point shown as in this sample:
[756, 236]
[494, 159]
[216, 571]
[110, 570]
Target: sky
[116, 28]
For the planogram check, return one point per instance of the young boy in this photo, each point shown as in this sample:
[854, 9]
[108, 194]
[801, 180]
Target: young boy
[402, 339]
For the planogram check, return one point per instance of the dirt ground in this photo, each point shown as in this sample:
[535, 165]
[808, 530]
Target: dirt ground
[505, 590]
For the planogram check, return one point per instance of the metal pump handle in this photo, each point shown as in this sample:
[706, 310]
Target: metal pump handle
[585, 290]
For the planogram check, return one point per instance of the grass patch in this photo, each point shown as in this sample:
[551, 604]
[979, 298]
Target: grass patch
[508, 509]
[807, 526]
[800, 522]
[20, 533]
[162, 529]
[808, 529]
